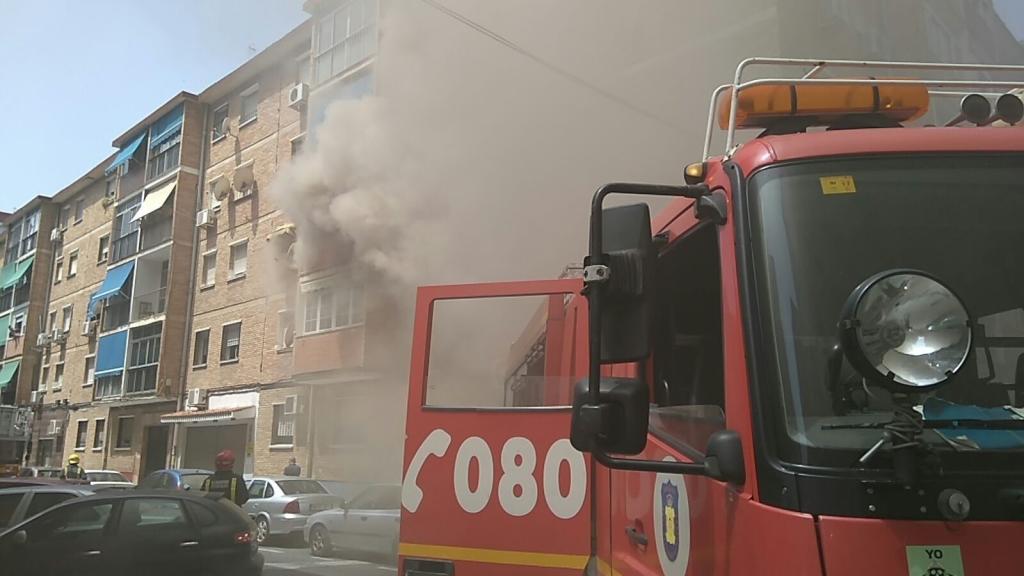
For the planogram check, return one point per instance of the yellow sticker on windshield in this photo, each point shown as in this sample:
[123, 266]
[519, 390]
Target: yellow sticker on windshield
[837, 185]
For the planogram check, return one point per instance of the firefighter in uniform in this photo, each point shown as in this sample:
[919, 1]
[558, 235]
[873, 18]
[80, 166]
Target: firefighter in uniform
[225, 481]
[73, 471]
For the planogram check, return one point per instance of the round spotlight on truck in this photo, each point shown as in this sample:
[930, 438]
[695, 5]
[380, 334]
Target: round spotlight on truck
[905, 330]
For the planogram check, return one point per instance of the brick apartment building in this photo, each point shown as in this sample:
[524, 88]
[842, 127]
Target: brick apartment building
[151, 313]
[24, 282]
[241, 335]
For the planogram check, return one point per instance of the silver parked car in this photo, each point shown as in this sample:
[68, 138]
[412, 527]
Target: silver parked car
[368, 524]
[103, 479]
[280, 504]
[17, 504]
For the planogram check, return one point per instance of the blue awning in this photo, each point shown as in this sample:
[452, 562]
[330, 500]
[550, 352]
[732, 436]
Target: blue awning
[11, 274]
[125, 154]
[10, 368]
[114, 283]
[110, 353]
[166, 127]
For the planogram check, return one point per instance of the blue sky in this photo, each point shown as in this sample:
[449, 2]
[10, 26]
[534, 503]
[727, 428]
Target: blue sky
[75, 74]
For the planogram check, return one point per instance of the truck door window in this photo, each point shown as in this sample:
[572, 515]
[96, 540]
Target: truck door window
[688, 382]
[502, 352]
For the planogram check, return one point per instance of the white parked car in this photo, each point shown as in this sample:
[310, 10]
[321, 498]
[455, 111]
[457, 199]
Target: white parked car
[280, 505]
[367, 524]
[103, 479]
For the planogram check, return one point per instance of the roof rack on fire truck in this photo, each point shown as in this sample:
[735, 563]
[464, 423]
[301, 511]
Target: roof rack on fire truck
[817, 101]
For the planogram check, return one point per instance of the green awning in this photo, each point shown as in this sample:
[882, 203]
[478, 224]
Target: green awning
[5, 322]
[11, 273]
[7, 372]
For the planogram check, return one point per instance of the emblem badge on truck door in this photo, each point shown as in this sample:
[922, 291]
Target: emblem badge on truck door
[671, 511]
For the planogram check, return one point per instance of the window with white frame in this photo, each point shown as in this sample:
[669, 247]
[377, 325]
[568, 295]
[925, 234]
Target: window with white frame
[53, 320]
[17, 326]
[209, 268]
[345, 37]
[44, 382]
[90, 370]
[333, 307]
[250, 99]
[99, 438]
[108, 386]
[73, 264]
[65, 216]
[58, 376]
[220, 114]
[230, 342]
[79, 210]
[81, 434]
[104, 249]
[238, 259]
[143, 358]
[285, 329]
[165, 156]
[283, 424]
[58, 271]
[126, 229]
[66, 316]
[201, 348]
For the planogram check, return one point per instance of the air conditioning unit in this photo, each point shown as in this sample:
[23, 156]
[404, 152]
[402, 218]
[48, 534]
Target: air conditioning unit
[297, 96]
[56, 235]
[43, 339]
[196, 398]
[204, 218]
[55, 428]
[37, 396]
[88, 327]
[58, 336]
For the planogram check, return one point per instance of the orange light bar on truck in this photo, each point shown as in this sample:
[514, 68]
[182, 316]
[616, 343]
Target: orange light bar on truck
[764, 105]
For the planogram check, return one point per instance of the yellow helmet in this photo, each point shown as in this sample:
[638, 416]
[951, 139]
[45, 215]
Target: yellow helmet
[73, 459]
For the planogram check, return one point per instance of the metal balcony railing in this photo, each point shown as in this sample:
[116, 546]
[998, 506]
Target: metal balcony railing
[149, 304]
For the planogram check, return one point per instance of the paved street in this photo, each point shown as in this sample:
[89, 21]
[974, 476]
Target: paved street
[297, 561]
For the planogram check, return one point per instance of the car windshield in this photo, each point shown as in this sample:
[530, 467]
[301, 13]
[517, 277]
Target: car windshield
[193, 481]
[105, 477]
[820, 229]
[378, 498]
[292, 487]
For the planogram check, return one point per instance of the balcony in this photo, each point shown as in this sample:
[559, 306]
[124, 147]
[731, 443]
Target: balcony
[15, 422]
[152, 271]
[115, 313]
[149, 305]
[156, 232]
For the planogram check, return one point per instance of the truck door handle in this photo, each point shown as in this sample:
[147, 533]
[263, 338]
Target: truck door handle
[638, 537]
[91, 553]
[189, 544]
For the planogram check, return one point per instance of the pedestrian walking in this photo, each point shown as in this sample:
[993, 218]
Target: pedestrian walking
[292, 469]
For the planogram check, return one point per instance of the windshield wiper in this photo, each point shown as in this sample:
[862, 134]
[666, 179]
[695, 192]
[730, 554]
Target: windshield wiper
[965, 423]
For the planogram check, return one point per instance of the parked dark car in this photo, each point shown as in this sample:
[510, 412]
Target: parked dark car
[151, 532]
[6, 483]
[17, 504]
[175, 479]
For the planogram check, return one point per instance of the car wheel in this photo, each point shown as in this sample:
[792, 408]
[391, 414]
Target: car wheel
[262, 529]
[319, 541]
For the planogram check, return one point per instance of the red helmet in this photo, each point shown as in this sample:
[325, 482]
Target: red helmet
[225, 460]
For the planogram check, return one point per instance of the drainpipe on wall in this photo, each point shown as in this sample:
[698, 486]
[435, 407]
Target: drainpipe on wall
[310, 432]
[182, 391]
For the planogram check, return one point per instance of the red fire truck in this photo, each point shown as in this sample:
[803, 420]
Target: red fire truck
[811, 362]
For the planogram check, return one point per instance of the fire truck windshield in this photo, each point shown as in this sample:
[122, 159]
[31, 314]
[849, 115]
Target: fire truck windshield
[819, 229]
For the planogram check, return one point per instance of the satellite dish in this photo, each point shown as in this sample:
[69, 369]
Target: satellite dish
[225, 126]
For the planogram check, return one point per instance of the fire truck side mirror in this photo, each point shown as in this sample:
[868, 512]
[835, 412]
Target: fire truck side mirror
[618, 425]
[723, 458]
[627, 304]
